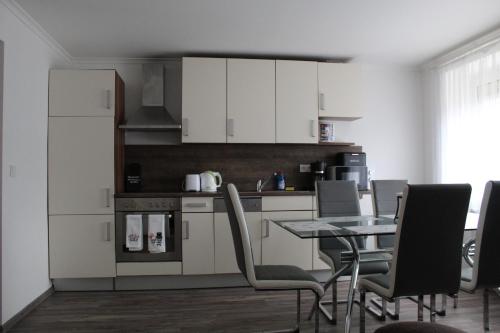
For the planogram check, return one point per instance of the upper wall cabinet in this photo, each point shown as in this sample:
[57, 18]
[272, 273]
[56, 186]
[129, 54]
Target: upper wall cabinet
[339, 90]
[84, 93]
[250, 101]
[296, 102]
[203, 100]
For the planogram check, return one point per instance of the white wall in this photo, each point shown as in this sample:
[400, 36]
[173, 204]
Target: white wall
[24, 197]
[391, 131]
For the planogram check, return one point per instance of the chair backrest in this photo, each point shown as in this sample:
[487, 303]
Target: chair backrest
[239, 231]
[384, 195]
[337, 198]
[384, 200]
[427, 252]
[486, 270]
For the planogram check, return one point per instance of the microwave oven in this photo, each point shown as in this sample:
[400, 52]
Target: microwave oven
[357, 173]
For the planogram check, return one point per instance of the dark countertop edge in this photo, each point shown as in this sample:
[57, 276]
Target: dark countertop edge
[217, 194]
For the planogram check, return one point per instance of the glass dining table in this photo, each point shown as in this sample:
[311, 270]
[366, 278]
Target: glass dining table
[346, 229]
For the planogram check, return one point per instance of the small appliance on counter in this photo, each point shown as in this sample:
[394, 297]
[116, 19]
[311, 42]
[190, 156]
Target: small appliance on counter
[210, 181]
[191, 183]
[133, 178]
[350, 166]
[319, 170]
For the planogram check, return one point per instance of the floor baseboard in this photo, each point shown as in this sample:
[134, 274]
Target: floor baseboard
[27, 309]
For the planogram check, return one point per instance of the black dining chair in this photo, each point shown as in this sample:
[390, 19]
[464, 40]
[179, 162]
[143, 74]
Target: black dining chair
[341, 198]
[434, 215]
[485, 271]
[266, 277]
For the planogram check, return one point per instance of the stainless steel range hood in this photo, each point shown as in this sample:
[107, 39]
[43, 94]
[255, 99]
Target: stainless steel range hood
[152, 116]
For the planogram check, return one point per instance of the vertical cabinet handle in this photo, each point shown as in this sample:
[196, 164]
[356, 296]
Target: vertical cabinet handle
[107, 195]
[185, 229]
[266, 229]
[108, 232]
[185, 127]
[230, 127]
[321, 101]
[312, 125]
[108, 99]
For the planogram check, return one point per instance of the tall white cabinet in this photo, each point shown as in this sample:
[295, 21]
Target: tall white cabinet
[84, 170]
[296, 102]
[203, 100]
[250, 101]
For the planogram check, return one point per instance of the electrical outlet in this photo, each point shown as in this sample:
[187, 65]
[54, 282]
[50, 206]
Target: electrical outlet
[305, 167]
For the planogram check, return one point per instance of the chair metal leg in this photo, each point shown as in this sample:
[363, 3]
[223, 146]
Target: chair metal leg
[433, 308]
[444, 300]
[486, 310]
[362, 297]
[378, 302]
[316, 319]
[298, 308]
[397, 304]
[455, 301]
[420, 315]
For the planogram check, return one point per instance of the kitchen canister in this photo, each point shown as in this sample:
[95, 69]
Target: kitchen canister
[326, 130]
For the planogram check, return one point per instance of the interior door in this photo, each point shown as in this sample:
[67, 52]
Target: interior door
[81, 165]
[250, 101]
[89, 93]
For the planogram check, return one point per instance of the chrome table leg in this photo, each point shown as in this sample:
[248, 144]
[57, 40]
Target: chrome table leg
[352, 284]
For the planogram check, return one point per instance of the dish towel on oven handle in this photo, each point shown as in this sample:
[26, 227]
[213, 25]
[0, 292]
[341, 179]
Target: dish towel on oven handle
[156, 233]
[134, 232]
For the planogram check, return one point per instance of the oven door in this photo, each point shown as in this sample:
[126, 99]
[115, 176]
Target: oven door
[173, 238]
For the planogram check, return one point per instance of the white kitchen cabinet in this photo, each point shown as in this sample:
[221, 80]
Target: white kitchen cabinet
[197, 243]
[81, 165]
[225, 256]
[203, 100]
[250, 101]
[82, 246]
[296, 101]
[339, 87]
[280, 247]
[83, 93]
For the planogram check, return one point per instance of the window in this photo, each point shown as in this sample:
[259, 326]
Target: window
[470, 122]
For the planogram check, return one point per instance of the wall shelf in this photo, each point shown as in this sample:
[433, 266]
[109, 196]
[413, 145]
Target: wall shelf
[336, 143]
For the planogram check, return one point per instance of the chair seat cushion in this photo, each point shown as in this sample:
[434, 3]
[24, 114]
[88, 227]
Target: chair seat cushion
[378, 283]
[417, 327]
[380, 267]
[285, 277]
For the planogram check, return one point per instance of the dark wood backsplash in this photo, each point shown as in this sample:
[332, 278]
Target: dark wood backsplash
[164, 167]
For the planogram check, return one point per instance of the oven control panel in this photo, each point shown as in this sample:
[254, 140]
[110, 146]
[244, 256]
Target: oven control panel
[147, 204]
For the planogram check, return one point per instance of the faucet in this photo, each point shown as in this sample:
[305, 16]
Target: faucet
[260, 184]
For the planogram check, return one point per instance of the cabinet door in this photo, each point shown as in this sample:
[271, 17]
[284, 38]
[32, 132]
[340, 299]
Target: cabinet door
[82, 246]
[85, 93]
[250, 101]
[203, 100]
[81, 165]
[225, 257]
[296, 102]
[339, 90]
[197, 243]
[280, 247]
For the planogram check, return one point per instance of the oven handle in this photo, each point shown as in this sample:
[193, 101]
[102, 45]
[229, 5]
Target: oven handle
[185, 229]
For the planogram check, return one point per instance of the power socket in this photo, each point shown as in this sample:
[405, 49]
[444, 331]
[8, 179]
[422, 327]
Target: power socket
[304, 168]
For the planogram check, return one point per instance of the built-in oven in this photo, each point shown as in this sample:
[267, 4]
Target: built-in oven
[166, 211]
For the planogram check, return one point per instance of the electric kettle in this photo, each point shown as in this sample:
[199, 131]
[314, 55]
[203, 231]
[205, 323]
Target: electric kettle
[210, 181]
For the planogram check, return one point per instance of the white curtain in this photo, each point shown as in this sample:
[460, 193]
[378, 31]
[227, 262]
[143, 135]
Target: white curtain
[469, 137]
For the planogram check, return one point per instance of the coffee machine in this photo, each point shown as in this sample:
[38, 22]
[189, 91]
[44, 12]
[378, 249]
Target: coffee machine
[318, 169]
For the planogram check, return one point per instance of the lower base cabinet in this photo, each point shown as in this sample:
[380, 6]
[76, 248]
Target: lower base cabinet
[280, 247]
[82, 246]
[225, 257]
[197, 243]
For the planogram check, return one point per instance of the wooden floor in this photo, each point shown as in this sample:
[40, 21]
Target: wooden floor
[214, 310]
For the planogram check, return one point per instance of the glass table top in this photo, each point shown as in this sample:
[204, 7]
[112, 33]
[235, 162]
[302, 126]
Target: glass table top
[346, 226]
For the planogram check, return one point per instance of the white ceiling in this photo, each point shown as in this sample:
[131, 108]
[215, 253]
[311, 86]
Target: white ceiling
[384, 31]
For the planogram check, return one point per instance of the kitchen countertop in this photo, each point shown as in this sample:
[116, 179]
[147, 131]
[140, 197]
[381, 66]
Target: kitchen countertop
[216, 194]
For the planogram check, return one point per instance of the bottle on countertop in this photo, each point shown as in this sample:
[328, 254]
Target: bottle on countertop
[280, 181]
